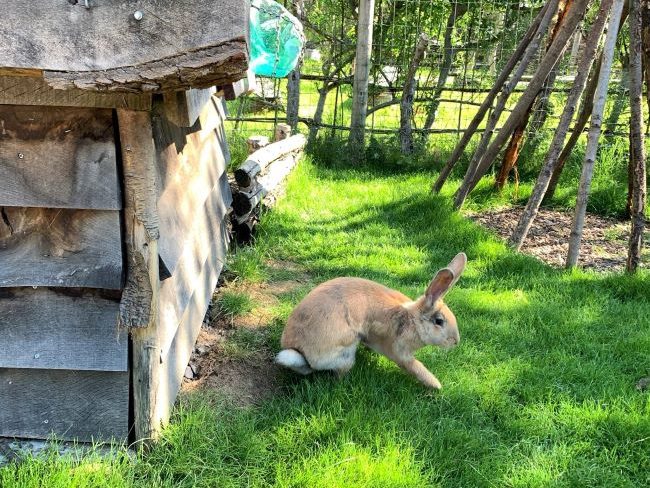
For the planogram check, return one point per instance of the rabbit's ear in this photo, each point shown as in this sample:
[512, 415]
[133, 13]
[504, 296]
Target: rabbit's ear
[443, 280]
[457, 266]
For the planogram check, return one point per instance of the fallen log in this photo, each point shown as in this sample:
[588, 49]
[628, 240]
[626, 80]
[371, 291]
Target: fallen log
[263, 157]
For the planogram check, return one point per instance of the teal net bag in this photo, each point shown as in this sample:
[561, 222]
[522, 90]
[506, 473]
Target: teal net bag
[276, 39]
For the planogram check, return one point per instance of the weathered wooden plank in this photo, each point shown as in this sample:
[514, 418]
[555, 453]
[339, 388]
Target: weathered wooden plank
[171, 44]
[50, 329]
[207, 237]
[82, 405]
[183, 108]
[175, 360]
[58, 157]
[21, 90]
[60, 247]
[190, 163]
[139, 305]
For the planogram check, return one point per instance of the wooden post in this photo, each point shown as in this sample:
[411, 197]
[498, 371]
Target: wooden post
[361, 74]
[406, 105]
[139, 305]
[282, 131]
[637, 143]
[587, 59]
[594, 135]
[293, 97]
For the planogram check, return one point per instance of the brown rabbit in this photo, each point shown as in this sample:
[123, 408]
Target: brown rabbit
[324, 330]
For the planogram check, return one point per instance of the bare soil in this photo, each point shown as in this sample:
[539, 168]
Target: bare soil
[604, 242]
[252, 377]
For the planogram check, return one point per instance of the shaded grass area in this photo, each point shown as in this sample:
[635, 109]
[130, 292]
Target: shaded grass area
[540, 392]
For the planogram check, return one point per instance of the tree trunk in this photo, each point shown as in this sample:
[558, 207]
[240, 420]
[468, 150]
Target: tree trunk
[458, 10]
[550, 59]
[586, 61]
[594, 135]
[513, 150]
[361, 75]
[637, 144]
[406, 105]
[645, 26]
[530, 35]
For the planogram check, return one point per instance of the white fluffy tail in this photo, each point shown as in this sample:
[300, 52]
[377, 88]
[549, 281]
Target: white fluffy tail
[292, 359]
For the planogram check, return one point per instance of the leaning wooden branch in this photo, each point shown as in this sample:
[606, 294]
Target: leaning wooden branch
[587, 59]
[406, 104]
[593, 137]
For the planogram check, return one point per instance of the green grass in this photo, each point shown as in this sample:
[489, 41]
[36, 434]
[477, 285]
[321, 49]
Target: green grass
[540, 391]
[234, 303]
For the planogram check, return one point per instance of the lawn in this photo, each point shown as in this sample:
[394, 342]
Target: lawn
[540, 391]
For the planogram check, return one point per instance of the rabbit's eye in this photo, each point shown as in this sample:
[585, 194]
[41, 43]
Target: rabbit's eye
[439, 320]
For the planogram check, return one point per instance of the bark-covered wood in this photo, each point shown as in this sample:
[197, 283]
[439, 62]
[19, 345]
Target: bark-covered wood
[60, 247]
[637, 140]
[244, 201]
[82, 405]
[22, 90]
[256, 162]
[645, 36]
[573, 17]
[582, 120]
[139, 305]
[600, 97]
[176, 45]
[190, 162]
[58, 157]
[517, 141]
[293, 97]
[486, 137]
[406, 104]
[361, 74]
[522, 47]
[61, 329]
[587, 60]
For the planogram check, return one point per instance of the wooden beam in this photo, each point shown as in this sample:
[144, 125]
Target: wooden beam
[169, 45]
[22, 90]
[183, 108]
[139, 306]
[58, 157]
[61, 329]
[60, 247]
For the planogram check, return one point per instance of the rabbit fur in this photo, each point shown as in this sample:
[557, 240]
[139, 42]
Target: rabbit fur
[324, 330]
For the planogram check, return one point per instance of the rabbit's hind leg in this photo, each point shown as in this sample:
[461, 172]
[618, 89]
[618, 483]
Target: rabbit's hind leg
[339, 360]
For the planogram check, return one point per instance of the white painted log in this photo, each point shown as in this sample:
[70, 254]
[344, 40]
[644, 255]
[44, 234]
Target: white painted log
[260, 159]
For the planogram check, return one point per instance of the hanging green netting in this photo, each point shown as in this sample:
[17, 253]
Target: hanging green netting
[276, 39]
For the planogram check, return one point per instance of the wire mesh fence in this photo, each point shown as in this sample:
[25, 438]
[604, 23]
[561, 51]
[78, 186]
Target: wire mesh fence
[470, 42]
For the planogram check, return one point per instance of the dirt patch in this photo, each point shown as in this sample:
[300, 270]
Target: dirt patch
[604, 242]
[245, 373]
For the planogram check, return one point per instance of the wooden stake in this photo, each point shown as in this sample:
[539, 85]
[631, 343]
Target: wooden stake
[574, 16]
[637, 143]
[361, 74]
[487, 103]
[587, 60]
[594, 135]
[406, 104]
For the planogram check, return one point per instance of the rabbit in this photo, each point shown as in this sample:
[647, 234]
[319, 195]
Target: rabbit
[324, 330]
